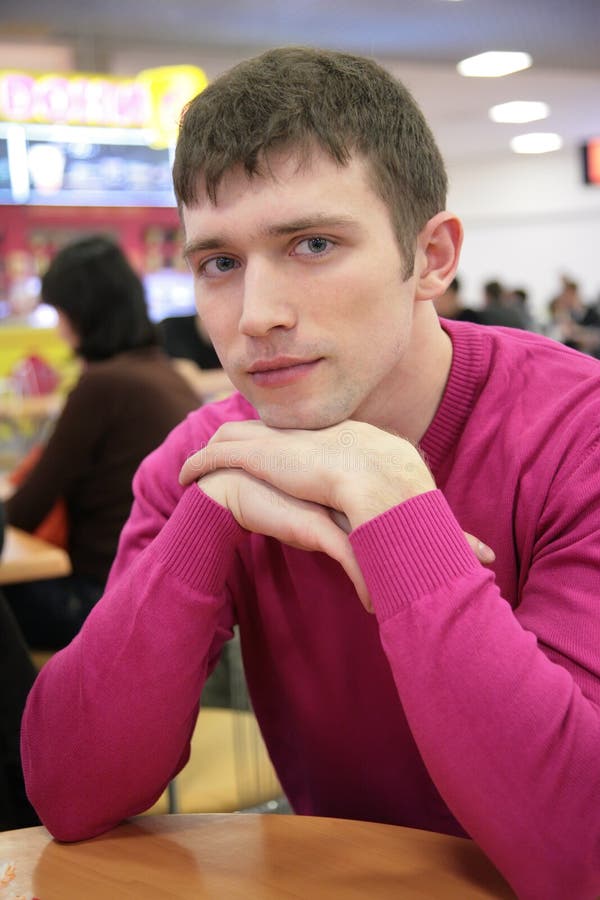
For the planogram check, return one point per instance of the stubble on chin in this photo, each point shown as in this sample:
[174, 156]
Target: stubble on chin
[314, 419]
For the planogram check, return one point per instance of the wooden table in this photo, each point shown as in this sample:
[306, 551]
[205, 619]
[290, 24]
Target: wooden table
[36, 407]
[26, 558]
[247, 857]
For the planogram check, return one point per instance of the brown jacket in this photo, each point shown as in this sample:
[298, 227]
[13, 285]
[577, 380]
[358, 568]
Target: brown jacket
[120, 410]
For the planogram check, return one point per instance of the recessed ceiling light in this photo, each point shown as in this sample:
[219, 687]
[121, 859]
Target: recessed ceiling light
[536, 142]
[493, 64]
[519, 111]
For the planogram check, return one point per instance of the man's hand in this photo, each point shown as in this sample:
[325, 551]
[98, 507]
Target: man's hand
[353, 468]
[262, 508]
[309, 489]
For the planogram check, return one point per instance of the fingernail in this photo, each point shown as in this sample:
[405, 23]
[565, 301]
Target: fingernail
[485, 553]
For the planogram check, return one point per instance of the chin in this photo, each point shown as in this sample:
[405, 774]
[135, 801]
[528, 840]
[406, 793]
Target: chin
[295, 417]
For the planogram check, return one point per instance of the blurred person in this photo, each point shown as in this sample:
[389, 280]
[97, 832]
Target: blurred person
[187, 342]
[497, 308]
[125, 403]
[572, 322]
[449, 305]
[17, 674]
[368, 440]
[518, 298]
[184, 337]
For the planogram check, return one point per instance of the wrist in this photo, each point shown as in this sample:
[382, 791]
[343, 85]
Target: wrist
[378, 498]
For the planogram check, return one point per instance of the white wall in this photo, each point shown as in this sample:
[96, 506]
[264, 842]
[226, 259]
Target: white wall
[527, 220]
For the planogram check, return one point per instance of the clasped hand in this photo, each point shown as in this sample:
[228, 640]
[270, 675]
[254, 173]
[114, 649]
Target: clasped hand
[309, 489]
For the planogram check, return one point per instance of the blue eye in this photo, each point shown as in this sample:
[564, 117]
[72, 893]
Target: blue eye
[224, 263]
[218, 265]
[313, 246]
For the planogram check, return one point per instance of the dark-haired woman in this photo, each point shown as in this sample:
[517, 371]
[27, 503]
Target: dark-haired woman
[126, 401]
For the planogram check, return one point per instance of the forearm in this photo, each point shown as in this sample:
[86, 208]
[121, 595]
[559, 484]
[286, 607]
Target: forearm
[507, 736]
[29, 503]
[61, 461]
[109, 719]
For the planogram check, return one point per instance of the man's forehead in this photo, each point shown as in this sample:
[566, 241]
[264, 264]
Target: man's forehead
[277, 165]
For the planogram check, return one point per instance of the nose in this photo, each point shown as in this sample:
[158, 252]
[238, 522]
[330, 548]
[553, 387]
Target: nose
[267, 301]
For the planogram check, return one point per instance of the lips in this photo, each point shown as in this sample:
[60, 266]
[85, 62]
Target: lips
[278, 362]
[281, 370]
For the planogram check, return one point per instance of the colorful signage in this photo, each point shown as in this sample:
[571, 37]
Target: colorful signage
[169, 89]
[153, 100]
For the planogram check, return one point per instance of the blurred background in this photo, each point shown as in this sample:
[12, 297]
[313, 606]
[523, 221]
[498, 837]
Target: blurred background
[90, 94]
[90, 97]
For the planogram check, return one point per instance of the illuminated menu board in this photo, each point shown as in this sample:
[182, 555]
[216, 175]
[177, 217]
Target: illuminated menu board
[5, 185]
[83, 139]
[85, 174]
[79, 171]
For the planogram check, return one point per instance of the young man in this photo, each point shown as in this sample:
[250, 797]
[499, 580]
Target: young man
[366, 436]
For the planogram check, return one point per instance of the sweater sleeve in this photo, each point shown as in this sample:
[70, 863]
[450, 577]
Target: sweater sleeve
[504, 704]
[109, 720]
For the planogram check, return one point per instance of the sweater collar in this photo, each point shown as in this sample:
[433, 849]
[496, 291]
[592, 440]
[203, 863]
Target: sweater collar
[468, 372]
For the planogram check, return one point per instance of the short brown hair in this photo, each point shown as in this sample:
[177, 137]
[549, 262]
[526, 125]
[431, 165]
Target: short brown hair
[298, 97]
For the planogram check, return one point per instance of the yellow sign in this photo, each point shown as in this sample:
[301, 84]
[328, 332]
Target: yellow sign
[170, 88]
[152, 100]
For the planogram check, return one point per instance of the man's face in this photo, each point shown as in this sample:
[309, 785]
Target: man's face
[299, 282]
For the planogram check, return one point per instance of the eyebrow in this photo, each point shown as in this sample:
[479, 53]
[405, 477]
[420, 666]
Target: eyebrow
[310, 223]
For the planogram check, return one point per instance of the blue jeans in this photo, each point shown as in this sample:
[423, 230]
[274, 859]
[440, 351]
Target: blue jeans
[51, 612]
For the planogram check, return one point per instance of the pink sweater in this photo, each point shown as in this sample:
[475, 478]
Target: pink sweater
[469, 704]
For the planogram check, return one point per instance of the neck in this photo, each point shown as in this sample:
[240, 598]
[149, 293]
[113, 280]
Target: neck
[412, 393]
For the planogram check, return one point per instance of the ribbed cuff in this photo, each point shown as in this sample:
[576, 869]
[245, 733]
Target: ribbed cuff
[198, 541]
[410, 551]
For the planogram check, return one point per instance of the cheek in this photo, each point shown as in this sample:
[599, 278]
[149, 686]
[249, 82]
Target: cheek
[215, 314]
[222, 330]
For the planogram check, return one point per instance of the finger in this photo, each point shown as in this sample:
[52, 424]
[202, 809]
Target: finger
[241, 454]
[196, 464]
[202, 462]
[316, 530]
[304, 525]
[241, 430]
[264, 509]
[338, 547]
[191, 470]
[483, 553]
[341, 520]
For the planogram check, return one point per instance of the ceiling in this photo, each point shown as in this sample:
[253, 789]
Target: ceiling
[421, 40]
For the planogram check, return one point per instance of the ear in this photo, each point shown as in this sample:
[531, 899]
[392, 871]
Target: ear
[438, 251]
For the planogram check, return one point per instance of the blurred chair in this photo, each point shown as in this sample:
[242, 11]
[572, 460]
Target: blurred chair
[229, 769]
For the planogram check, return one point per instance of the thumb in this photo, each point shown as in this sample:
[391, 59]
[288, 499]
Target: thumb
[483, 553]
